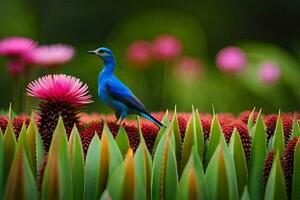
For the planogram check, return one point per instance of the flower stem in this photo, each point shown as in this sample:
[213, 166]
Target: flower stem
[16, 102]
[27, 74]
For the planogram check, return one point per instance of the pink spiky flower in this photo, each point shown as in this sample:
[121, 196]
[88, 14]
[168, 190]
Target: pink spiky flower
[16, 46]
[60, 88]
[50, 55]
[62, 95]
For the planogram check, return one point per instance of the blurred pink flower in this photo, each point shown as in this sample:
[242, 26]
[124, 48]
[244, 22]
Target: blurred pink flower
[231, 59]
[16, 46]
[188, 68]
[15, 67]
[50, 55]
[166, 47]
[139, 52]
[60, 88]
[269, 72]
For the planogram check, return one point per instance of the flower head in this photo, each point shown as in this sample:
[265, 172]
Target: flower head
[288, 164]
[271, 121]
[139, 52]
[227, 130]
[231, 60]
[50, 55]
[60, 88]
[166, 47]
[16, 67]
[269, 72]
[3, 123]
[188, 68]
[16, 46]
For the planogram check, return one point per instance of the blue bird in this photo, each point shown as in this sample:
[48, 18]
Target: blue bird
[115, 93]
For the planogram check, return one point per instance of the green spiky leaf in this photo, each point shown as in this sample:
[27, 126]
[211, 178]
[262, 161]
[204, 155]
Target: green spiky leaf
[35, 149]
[57, 176]
[250, 123]
[258, 153]
[245, 195]
[164, 173]
[190, 141]
[143, 165]
[77, 164]
[214, 138]
[278, 138]
[275, 188]
[237, 150]
[192, 184]
[199, 134]
[122, 184]
[1, 164]
[21, 182]
[296, 128]
[296, 173]
[123, 141]
[9, 143]
[92, 167]
[161, 132]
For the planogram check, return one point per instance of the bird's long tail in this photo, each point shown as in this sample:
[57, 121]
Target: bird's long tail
[151, 118]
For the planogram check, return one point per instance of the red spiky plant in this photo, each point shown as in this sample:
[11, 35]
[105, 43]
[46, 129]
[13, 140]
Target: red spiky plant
[268, 165]
[242, 129]
[61, 95]
[287, 123]
[244, 116]
[3, 123]
[18, 121]
[288, 164]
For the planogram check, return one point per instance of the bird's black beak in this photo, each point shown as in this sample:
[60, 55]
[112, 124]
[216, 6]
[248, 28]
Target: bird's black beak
[92, 52]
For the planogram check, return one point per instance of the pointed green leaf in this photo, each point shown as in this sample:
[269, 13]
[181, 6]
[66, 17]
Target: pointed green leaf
[35, 149]
[258, 153]
[245, 195]
[192, 180]
[92, 168]
[214, 138]
[105, 196]
[199, 134]
[220, 177]
[278, 138]
[1, 164]
[22, 143]
[161, 131]
[10, 143]
[275, 188]
[296, 173]
[115, 156]
[216, 177]
[143, 165]
[178, 143]
[122, 141]
[77, 163]
[122, 183]
[190, 141]
[296, 128]
[250, 123]
[164, 173]
[237, 150]
[21, 182]
[58, 168]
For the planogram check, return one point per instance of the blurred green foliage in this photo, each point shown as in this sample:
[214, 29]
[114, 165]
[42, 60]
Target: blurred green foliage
[202, 26]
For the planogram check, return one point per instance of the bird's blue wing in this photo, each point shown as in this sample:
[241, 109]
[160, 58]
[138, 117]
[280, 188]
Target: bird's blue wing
[118, 91]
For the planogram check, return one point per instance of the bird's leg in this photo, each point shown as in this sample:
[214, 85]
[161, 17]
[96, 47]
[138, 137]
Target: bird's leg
[117, 117]
[120, 123]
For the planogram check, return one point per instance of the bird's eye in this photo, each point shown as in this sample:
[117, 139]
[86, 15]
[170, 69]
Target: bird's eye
[101, 51]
